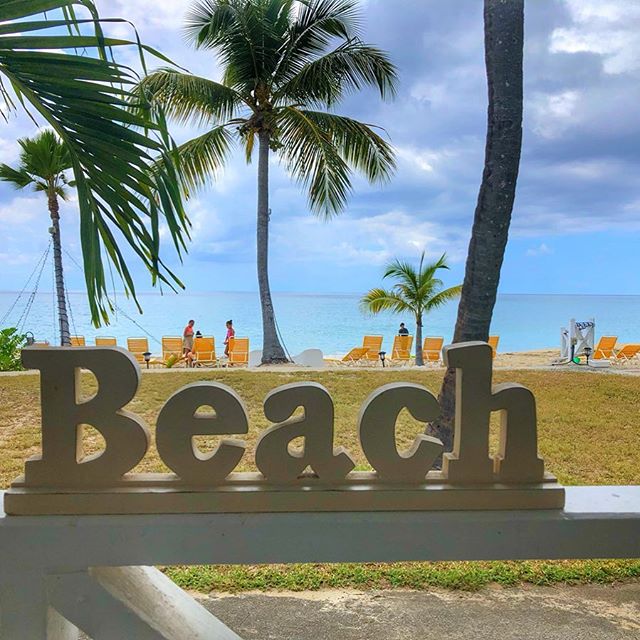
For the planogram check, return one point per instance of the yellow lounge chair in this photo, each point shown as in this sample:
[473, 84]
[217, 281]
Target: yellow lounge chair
[172, 347]
[238, 351]
[605, 348]
[204, 348]
[106, 342]
[78, 341]
[138, 347]
[402, 348]
[355, 355]
[627, 354]
[432, 349]
[493, 343]
[373, 346]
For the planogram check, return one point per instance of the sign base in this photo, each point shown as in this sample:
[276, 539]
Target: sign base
[249, 493]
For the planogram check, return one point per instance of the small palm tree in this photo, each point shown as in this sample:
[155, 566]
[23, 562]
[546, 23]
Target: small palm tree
[58, 66]
[416, 292]
[44, 160]
[285, 62]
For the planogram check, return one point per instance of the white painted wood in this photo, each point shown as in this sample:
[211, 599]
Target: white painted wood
[377, 432]
[111, 603]
[179, 422]
[25, 613]
[273, 457]
[597, 522]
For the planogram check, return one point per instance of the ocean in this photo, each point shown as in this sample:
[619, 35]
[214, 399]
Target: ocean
[332, 323]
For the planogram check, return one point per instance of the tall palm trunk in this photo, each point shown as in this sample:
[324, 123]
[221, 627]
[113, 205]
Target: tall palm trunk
[272, 351]
[419, 358]
[503, 37]
[63, 319]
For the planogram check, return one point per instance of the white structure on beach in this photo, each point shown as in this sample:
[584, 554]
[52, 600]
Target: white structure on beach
[579, 337]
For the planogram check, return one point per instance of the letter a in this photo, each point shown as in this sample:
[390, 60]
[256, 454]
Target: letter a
[273, 458]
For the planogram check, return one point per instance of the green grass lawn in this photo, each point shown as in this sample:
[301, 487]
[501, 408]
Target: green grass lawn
[589, 433]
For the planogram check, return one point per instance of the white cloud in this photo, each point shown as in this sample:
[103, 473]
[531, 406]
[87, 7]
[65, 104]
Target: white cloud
[162, 14]
[9, 151]
[607, 29]
[541, 250]
[23, 210]
[372, 240]
[554, 113]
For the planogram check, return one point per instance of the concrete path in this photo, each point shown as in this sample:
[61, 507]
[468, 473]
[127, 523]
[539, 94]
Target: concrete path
[590, 612]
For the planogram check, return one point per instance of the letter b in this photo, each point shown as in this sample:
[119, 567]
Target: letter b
[63, 415]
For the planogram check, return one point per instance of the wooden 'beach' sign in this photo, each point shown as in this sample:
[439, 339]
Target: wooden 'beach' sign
[318, 477]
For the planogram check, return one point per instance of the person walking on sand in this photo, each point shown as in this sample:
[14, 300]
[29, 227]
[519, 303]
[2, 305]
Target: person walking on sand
[230, 334]
[187, 342]
[403, 331]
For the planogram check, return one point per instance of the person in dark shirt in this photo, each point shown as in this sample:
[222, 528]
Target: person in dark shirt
[403, 331]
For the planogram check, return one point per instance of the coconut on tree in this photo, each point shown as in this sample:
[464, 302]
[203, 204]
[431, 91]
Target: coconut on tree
[44, 161]
[285, 64]
[415, 292]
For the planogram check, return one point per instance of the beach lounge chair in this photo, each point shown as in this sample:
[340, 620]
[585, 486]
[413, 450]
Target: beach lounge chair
[43, 343]
[373, 345]
[605, 349]
[432, 349]
[239, 351]
[628, 354]
[138, 347]
[172, 348]
[493, 343]
[78, 341]
[106, 341]
[355, 355]
[204, 348]
[401, 350]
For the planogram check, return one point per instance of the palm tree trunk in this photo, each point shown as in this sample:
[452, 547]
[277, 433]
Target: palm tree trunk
[272, 351]
[63, 319]
[504, 39]
[419, 358]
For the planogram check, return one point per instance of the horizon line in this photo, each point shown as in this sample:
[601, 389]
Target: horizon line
[309, 293]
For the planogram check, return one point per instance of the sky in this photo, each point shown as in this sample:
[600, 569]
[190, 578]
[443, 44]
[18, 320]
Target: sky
[576, 219]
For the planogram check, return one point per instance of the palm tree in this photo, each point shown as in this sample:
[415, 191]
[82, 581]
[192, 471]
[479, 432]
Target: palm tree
[43, 162]
[285, 62]
[504, 40]
[415, 292]
[47, 70]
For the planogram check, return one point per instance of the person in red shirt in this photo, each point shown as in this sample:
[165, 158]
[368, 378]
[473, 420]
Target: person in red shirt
[187, 342]
[230, 334]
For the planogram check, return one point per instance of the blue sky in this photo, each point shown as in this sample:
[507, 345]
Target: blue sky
[576, 223]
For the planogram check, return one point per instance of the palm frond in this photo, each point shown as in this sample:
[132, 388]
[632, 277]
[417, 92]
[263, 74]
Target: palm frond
[248, 37]
[19, 178]
[348, 68]
[357, 143]
[201, 158]
[428, 271]
[84, 100]
[443, 297]
[403, 271]
[188, 98]
[415, 290]
[44, 155]
[313, 159]
[379, 299]
[317, 24]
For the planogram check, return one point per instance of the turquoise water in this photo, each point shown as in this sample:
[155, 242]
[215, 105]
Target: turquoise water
[333, 323]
